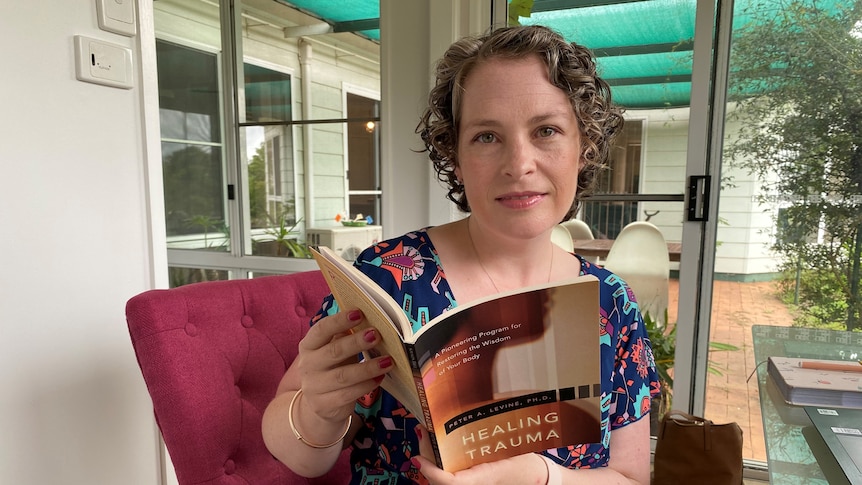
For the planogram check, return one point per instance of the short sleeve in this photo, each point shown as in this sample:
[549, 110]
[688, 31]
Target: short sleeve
[634, 378]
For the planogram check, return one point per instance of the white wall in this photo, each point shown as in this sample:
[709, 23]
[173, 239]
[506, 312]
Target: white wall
[75, 247]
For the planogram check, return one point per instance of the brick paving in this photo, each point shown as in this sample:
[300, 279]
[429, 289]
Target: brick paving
[731, 396]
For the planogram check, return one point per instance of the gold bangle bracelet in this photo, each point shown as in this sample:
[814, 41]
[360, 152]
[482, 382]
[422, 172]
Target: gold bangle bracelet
[299, 436]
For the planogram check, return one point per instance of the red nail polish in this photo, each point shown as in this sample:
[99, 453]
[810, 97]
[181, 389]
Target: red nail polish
[385, 362]
[369, 335]
[379, 379]
[354, 315]
[416, 463]
[419, 433]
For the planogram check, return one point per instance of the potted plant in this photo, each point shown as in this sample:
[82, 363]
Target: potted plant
[206, 223]
[663, 342]
[282, 240]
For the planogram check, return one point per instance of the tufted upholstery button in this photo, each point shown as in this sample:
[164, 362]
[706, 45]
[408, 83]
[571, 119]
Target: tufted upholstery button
[229, 467]
[246, 321]
[300, 311]
[191, 330]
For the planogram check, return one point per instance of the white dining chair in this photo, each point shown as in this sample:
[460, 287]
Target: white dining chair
[639, 256]
[561, 237]
[580, 230]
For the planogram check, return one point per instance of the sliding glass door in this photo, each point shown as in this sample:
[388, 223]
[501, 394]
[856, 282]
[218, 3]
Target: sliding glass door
[789, 211]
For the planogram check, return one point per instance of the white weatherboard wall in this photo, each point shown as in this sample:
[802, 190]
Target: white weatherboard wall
[74, 248]
[745, 225]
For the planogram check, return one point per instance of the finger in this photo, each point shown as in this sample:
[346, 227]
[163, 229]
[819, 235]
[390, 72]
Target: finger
[344, 351]
[425, 461]
[425, 447]
[429, 470]
[333, 403]
[346, 383]
[325, 330]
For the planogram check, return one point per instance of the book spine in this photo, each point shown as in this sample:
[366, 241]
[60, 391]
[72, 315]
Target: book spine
[423, 400]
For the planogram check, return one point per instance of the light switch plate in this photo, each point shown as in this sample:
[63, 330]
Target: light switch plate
[117, 16]
[100, 62]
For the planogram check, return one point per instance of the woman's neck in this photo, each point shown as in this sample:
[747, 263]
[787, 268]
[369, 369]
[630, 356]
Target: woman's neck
[508, 263]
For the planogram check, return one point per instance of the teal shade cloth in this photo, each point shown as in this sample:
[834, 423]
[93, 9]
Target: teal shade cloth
[643, 47]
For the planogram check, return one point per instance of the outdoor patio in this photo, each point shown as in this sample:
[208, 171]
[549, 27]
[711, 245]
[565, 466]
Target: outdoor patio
[731, 396]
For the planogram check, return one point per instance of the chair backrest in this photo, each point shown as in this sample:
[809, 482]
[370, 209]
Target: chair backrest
[212, 355]
[561, 237]
[578, 229]
[639, 256]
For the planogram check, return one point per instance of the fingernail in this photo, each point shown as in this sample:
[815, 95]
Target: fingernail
[354, 315]
[385, 362]
[416, 463]
[379, 379]
[369, 335]
[418, 432]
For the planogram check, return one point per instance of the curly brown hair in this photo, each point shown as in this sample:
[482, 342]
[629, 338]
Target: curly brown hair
[570, 67]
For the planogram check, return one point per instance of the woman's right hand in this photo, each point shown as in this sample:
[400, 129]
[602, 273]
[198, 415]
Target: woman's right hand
[330, 375]
[331, 378]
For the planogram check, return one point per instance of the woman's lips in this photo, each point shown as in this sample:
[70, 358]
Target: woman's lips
[521, 200]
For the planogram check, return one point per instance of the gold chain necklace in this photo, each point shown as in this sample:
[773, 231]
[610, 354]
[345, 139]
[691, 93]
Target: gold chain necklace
[481, 265]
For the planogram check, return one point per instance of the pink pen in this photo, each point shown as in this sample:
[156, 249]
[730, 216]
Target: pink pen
[839, 366]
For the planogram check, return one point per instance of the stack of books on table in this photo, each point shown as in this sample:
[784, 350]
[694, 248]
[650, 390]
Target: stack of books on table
[817, 382]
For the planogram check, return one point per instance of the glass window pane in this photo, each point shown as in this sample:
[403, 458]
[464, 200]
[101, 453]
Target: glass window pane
[275, 223]
[188, 93]
[271, 161]
[192, 157]
[184, 276]
[788, 219]
[194, 196]
[267, 95]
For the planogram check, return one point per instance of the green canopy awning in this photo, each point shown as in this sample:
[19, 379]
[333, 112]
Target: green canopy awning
[643, 47]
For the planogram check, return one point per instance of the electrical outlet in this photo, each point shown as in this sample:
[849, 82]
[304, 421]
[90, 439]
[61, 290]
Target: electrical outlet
[101, 62]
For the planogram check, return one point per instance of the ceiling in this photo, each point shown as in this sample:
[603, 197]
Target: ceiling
[643, 47]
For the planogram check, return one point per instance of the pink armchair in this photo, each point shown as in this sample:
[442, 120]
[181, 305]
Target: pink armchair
[212, 355]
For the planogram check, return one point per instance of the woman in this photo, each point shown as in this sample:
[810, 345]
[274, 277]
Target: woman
[517, 125]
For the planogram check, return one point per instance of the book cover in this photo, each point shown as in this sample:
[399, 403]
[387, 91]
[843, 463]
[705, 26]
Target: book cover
[513, 373]
[816, 382]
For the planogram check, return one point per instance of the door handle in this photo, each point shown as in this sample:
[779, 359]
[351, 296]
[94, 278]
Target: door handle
[698, 197]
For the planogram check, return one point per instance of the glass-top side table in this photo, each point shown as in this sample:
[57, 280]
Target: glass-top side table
[790, 458]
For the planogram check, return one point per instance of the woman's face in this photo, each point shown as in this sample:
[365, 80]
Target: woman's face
[518, 147]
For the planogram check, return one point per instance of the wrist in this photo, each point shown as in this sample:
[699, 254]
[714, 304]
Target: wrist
[323, 427]
[555, 476]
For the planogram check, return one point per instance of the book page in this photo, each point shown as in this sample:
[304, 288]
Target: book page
[352, 289]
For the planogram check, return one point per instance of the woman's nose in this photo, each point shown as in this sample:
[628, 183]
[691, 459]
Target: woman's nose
[519, 158]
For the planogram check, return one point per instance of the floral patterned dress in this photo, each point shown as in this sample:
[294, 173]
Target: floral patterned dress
[408, 268]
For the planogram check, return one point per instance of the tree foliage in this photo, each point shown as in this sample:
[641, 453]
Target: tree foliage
[796, 76]
[257, 188]
[193, 187]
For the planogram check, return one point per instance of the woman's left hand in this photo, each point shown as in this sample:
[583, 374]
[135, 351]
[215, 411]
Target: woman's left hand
[524, 469]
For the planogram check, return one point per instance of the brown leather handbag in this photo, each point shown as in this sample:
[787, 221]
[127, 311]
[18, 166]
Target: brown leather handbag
[691, 449]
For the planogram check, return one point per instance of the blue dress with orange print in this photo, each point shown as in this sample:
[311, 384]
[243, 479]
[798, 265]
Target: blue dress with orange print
[408, 268]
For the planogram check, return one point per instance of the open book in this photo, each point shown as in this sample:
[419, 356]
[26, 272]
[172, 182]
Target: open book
[513, 373]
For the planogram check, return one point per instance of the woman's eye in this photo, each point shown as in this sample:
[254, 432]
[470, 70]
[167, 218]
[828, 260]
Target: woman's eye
[546, 131]
[486, 138]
